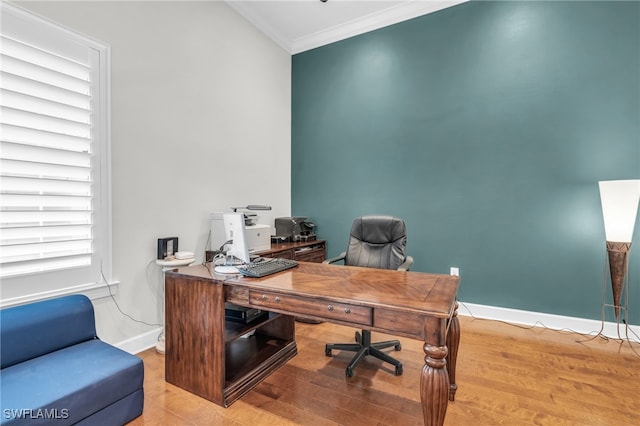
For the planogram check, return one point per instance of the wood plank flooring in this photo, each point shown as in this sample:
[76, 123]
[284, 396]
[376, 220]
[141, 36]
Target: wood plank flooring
[506, 375]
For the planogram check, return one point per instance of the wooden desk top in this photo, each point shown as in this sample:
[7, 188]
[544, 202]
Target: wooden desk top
[432, 295]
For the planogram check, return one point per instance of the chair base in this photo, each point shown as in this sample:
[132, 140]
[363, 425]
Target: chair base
[364, 347]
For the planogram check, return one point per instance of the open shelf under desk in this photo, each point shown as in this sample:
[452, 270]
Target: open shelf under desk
[244, 354]
[248, 360]
[235, 330]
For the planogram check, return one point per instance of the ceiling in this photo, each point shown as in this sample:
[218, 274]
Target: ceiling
[299, 25]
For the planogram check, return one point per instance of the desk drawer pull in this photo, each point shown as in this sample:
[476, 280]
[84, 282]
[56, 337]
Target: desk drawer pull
[277, 299]
[347, 310]
[264, 297]
[330, 308]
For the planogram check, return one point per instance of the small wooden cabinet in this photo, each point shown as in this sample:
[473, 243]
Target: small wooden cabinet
[303, 251]
[307, 251]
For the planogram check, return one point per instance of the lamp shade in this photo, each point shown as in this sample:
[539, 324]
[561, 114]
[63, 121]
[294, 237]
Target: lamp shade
[619, 200]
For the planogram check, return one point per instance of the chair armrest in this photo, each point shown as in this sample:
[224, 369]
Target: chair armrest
[338, 258]
[406, 265]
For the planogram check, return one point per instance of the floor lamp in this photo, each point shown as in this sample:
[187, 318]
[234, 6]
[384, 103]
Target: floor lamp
[619, 200]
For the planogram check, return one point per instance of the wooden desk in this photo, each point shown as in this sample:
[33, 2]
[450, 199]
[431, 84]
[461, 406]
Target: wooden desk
[208, 357]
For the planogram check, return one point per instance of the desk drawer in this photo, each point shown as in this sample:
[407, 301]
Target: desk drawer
[282, 254]
[301, 305]
[314, 255]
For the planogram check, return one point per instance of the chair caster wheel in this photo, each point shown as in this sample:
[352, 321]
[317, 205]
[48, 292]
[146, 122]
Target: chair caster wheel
[349, 372]
[397, 347]
[399, 370]
[327, 351]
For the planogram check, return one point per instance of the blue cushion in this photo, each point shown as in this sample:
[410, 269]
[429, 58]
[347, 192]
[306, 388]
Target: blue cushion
[72, 383]
[29, 331]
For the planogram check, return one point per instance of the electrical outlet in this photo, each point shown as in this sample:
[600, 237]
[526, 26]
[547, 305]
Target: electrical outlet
[454, 270]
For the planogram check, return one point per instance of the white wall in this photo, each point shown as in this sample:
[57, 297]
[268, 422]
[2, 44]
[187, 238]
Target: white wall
[200, 122]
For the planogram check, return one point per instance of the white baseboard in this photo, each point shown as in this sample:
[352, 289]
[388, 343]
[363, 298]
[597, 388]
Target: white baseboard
[141, 342]
[584, 326]
[550, 321]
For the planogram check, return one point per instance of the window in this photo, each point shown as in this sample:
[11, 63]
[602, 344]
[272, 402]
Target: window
[54, 159]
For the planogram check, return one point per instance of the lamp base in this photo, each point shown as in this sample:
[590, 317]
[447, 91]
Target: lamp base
[618, 259]
[617, 254]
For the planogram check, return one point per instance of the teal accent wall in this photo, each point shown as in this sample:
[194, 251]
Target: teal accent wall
[487, 127]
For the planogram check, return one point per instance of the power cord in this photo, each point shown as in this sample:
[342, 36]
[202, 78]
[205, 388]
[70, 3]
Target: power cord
[104, 279]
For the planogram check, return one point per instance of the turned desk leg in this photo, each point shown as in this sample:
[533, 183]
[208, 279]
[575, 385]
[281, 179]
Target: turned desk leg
[434, 385]
[453, 341]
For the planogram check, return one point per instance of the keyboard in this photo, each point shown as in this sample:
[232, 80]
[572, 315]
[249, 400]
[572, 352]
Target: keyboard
[266, 267]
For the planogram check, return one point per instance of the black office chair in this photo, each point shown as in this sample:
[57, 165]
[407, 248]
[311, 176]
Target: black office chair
[374, 242]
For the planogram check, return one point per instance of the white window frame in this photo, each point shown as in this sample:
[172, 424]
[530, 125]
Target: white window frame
[89, 280]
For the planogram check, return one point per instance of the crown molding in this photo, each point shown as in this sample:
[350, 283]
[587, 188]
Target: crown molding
[249, 14]
[392, 15]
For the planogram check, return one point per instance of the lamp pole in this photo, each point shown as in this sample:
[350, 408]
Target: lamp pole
[618, 260]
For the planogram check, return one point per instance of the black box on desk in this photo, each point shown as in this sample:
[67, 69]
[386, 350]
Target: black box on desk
[242, 314]
[167, 247]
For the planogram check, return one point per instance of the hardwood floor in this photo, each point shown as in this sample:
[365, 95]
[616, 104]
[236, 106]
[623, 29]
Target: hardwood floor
[506, 375]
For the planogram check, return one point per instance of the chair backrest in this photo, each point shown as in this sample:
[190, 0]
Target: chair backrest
[377, 242]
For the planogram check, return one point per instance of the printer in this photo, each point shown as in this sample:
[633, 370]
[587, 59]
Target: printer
[298, 228]
[258, 235]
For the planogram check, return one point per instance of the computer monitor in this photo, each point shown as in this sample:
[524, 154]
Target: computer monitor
[235, 230]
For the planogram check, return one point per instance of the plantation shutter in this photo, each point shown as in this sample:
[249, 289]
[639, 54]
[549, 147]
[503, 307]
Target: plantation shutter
[54, 159]
[45, 159]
